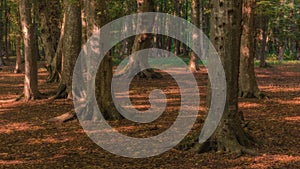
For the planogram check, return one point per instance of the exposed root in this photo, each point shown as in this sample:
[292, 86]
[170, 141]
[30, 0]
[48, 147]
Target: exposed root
[61, 93]
[13, 100]
[247, 94]
[64, 118]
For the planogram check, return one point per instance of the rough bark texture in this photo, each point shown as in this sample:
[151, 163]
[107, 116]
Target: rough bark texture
[105, 71]
[30, 82]
[194, 66]
[141, 41]
[248, 87]
[226, 28]
[72, 45]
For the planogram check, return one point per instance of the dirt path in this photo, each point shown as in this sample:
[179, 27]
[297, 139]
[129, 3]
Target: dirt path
[28, 141]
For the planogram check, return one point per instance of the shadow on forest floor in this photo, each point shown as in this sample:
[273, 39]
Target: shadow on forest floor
[28, 141]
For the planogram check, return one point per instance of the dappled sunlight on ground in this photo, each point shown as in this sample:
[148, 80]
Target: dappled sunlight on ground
[29, 141]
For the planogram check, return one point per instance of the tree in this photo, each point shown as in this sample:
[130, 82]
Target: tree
[49, 14]
[194, 66]
[30, 82]
[225, 34]
[141, 41]
[72, 46]
[247, 81]
[1, 35]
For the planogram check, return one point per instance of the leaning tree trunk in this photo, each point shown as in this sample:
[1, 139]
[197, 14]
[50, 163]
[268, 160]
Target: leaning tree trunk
[30, 82]
[72, 46]
[248, 87]
[194, 66]
[141, 41]
[226, 35]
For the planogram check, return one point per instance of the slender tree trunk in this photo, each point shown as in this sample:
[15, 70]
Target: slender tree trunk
[194, 66]
[298, 49]
[1, 34]
[264, 34]
[18, 54]
[248, 87]
[30, 82]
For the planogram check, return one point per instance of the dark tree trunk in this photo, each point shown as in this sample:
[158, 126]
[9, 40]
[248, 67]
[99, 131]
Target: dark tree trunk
[72, 46]
[1, 34]
[248, 87]
[105, 71]
[30, 83]
[298, 49]
[194, 66]
[226, 29]
[263, 30]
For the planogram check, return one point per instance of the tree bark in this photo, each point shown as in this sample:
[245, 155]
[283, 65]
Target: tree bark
[1, 35]
[225, 34]
[72, 46]
[248, 87]
[141, 41]
[18, 54]
[30, 82]
[194, 66]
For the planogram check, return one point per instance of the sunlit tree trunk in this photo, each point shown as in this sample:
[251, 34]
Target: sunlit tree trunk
[225, 34]
[18, 54]
[194, 66]
[30, 82]
[247, 81]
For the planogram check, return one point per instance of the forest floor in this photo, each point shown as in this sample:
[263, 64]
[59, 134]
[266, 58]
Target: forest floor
[28, 140]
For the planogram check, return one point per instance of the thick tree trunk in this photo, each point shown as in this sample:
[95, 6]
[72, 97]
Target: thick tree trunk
[142, 41]
[105, 71]
[72, 47]
[226, 35]
[248, 87]
[30, 82]
[194, 66]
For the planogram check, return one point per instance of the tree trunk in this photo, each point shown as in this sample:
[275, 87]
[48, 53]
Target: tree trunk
[71, 46]
[194, 66]
[18, 54]
[46, 36]
[105, 71]
[30, 82]
[298, 49]
[262, 50]
[225, 36]
[248, 87]
[56, 63]
[142, 41]
[1, 35]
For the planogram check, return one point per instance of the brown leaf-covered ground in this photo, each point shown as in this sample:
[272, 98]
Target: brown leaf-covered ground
[27, 140]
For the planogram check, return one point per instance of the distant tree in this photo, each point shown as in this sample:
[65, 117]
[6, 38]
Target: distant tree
[30, 82]
[141, 41]
[1, 35]
[194, 66]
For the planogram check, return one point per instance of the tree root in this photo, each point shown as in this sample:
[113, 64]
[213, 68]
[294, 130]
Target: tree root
[64, 118]
[61, 93]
